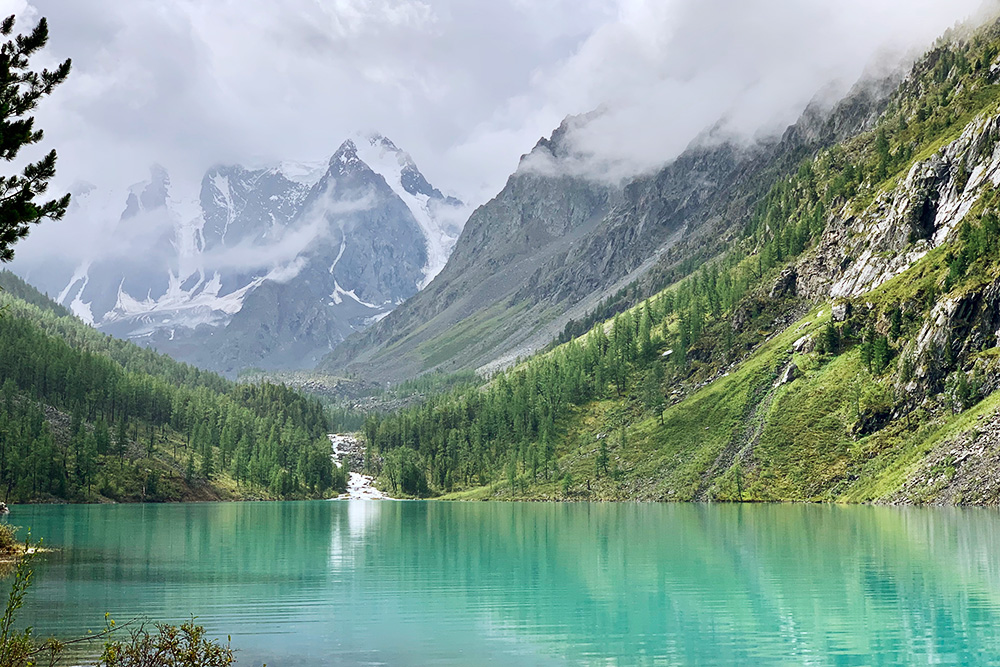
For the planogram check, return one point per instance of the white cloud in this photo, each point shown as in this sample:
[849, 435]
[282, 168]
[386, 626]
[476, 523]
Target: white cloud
[664, 72]
[465, 87]
[318, 223]
[192, 83]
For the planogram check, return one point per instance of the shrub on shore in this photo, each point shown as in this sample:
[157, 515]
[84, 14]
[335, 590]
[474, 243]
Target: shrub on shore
[169, 646]
[8, 539]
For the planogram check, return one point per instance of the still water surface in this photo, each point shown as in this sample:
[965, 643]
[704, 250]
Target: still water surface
[418, 583]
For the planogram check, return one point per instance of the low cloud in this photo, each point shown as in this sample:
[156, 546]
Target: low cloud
[249, 257]
[286, 272]
[165, 240]
[664, 73]
[326, 219]
[466, 88]
[193, 83]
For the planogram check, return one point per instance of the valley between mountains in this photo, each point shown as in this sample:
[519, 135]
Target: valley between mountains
[810, 317]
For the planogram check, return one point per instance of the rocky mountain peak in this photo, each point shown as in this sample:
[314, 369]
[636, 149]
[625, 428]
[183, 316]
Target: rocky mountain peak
[383, 142]
[346, 157]
[379, 149]
[268, 265]
[148, 195]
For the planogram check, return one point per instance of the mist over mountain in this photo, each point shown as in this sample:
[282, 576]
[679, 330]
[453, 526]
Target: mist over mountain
[561, 238]
[263, 266]
[664, 111]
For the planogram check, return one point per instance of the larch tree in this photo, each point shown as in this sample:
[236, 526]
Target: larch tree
[21, 88]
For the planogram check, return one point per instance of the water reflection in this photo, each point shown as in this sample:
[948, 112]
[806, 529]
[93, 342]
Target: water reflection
[413, 583]
[346, 538]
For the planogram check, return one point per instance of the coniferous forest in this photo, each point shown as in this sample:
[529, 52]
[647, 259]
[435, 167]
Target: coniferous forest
[639, 357]
[84, 416]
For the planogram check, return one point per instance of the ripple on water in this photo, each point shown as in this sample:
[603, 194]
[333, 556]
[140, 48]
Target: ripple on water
[533, 584]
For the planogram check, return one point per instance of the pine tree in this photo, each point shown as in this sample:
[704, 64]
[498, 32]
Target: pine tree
[645, 334]
[208, 463]
[121, 440]
[20, 90]
[652, 391]
[102, 437]
[602, 457]
[867, 347]
[883, 155]
[881, 354]
[831, 339]
[896, 322]
[86, 461]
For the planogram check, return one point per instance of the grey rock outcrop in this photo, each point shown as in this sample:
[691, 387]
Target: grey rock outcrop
[859, 252]
[787, 376]
[784, 285]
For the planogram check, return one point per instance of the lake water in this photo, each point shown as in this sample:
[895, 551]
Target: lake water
[419, 583]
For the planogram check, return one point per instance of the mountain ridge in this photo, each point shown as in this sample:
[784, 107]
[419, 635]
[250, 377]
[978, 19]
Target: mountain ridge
[844, 348]
[561, 243]
[352, 241]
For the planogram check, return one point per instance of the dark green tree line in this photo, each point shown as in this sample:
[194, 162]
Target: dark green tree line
[127, 403]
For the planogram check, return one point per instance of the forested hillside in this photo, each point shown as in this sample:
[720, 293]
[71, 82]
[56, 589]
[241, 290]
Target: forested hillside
[86, 417]
[843, 347]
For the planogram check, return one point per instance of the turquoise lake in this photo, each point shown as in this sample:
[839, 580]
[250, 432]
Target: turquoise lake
[432, 583]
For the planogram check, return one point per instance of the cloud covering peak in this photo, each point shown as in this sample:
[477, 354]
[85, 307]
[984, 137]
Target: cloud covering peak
[663, 73]
[465, 87]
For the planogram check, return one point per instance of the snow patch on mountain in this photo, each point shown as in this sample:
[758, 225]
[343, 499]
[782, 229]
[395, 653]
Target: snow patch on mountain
[340, 253]
[224, 198]
[202, 304]
[374, 319]
[81, 308]
[385, 159]
[337, 297]
[305, 173]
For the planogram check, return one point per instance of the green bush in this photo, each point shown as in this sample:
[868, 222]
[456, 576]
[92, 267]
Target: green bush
[8, 539]
[169, 646]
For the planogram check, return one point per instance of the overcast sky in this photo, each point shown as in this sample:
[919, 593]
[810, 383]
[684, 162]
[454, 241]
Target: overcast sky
[466, 86]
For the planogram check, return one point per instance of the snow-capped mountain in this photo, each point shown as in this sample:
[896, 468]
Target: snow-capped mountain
[440, 218]
[267, 267]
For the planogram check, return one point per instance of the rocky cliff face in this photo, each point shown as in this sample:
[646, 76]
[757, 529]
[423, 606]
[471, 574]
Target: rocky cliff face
[467, 310]
[862, 250]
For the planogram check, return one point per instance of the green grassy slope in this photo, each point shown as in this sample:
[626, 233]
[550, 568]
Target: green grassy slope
[731, 385]
[742, 438]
